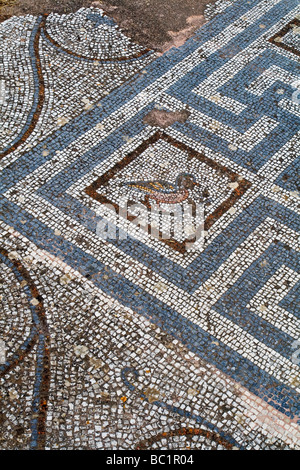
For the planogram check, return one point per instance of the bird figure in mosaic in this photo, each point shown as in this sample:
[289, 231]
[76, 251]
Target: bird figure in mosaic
[164, 191]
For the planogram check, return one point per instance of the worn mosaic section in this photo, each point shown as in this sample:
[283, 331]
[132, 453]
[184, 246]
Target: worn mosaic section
[136, 342]
[213, 9]
[50, 69]
[108, 391]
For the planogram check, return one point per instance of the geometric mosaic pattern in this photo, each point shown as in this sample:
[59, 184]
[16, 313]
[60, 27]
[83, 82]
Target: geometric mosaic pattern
[138, 343]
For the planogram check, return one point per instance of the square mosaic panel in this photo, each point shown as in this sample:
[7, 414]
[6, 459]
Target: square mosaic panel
[217, 185]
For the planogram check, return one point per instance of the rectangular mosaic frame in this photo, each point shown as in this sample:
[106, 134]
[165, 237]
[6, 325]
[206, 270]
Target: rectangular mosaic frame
[276, 39]
[243, 184]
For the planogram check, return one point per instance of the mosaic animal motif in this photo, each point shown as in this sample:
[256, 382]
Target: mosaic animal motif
[164, 191]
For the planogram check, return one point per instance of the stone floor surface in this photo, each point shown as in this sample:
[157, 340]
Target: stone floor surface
[149, 225]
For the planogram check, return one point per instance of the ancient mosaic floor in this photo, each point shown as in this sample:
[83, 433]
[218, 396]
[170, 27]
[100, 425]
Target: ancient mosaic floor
[138, 342]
